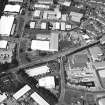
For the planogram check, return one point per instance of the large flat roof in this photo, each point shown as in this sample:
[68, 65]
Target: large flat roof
[38, 99]
[37, 71]
[21, 92]
[15, 0]
[12, 8]
[76, 16]
[6, 23]
[46, 45]
[47, 82]
[40, 45]
[2, 97]
[54, 42]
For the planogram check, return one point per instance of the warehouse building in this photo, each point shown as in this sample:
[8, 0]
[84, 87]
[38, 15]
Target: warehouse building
[45, 1]
[6, 51]
[46, 45]
[21, 92]
[7, 22]
[2, 97]
[37, 71]
[76, 17]
[38, 99]
[47, 82]
[12, 8]
[41, 6]
[19, 1]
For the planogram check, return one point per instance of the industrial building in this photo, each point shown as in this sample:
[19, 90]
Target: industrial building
[47, 82]
[101, 101]
[38, 71]
[45, 1]
[35, 96]
[12, 8]
[7, 22]
[46, 45]
[41, 6]
[19, 1]
[76, 17]
[21, 92]
[2, 97]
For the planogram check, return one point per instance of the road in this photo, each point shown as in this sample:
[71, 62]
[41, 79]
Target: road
[62, 94]
[53, 57]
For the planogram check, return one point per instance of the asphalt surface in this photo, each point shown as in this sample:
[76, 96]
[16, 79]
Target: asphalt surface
[62, 94]
[47, 59]
[53, 57]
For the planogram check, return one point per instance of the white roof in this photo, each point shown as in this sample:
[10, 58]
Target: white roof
[37, 71]
[43, 26]
[68, 26]
[2, 97]
[45, 1]
[54, 42]
[63, 26]
[47, 82]
[45, 15]
[40, 45]
[102, 73]
[64, 17]
[6, 23]
[12, 8]
[57, 25]
[85, 36]
[76, 19]
[21, 92]
[36, 13]
[3, 43]
[66, 3]
[32, 24]
[76, 16]
[58, 15]
[38, 99]
[41, 6]
[15, 0]
[101, 101]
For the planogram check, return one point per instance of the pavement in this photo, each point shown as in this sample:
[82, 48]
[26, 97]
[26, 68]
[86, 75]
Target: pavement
[62, 94]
